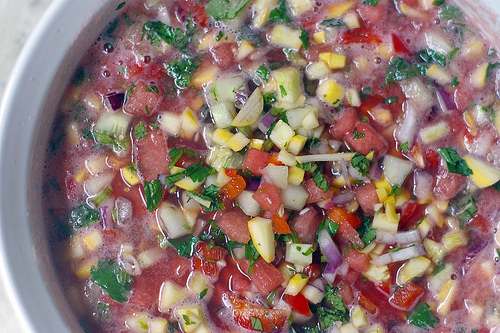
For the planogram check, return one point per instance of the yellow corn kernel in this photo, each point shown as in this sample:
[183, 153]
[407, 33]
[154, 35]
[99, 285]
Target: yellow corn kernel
[391, 200]
[319, 37]
[296, 144]
[93, 240]
[402, 198]
[385, 184]
[377, 274]
[129, 174]
[381, 115]
[446, 296]
[339, 9]
[256, 143]
[296, 175]
[332, 60]
[390, 212]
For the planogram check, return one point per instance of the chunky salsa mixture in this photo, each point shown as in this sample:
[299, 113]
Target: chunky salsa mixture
[280, 166]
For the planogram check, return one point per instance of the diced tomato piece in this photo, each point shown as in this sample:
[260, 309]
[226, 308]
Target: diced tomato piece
[368, 104]
[316, 194]
[347, 222]
[399, 46]
[345, 291]
[268, 197]
[432, 159]
[384, 287]
[151, 155]
[224, 55]
[274, 160]
[194, 8]
[142, 101]
[367, 303]
[185, 161]
[234, 224]
[265, 276]
[234, 187]
[344, 124]
[448, 184]
[313, 271]
[480, 223]
[406, 297]
[298, 303]
[306, 224]
[210, 252]
[255, 161]
[371, 14]
[280, 225]
[271, 319]
[360, 35]
[358, 261]
[367, 198]
[208, 268]
[411, 213]
[363, 139]
[231, 172]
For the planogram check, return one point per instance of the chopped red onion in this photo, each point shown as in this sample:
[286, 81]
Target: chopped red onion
[116, 100]
[329, 249]
[400, 255]
[445, 100]
[329, 273]
[253, 184]
[423, 185]
[266, 122]
[104, 212]
[240, 100]
[376, 171]
[343, 198]
[345, 173]
[410, 126]
[318, 284]
[404, 237]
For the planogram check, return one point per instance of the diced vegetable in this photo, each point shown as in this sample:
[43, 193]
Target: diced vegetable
[261, 231]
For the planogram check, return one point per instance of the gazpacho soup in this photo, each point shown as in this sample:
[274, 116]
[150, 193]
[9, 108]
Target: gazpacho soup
[280, 166]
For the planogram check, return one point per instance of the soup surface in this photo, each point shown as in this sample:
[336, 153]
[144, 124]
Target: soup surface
[280, 166]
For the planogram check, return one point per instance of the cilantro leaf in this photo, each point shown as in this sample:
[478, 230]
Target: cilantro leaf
[156, 31]
[430, 56]
[177, 153]
[390, 100]
[252, 254]
[112, 278]
[448, 12]
[184, 245]
[211, 195]
[263, 73]
[199, 173]
[422, 317]
[83, 216]
[309, 166]
[399, 70]
[438, 2]
[225, 9]
[140, 130]
[104, 138]
[304, 38]
[269, 98]
[320, 180]
[152, 194]
[464, 209]
[454, 162]
[365, 230]
[280, 13]
[335, 311]
[404, 147]
[360, 162]
[370, 2]
[329, 225]
[357, 135]
[333, 23]
[181, 70]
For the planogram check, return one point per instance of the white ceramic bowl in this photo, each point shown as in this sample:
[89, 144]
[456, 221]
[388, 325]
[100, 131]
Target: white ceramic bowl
[32, 96]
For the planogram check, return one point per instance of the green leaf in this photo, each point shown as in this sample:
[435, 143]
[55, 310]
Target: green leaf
[120, 6]
[448, 12]
[280, 14]
[320, 180]
[333, 23]
[329, 225]
[184, 245]
[225, 9]
[256, 324]
[357, 135]
[102, 137]
[252, 254]
[156, 31]
[370, 2]
[152, 194]
[210, 194]
[365, 230]
[422, 317]
[335, 311]
[399, 70]
[304, 38]
[177, 153]
[152, 88]
[464, 209]
[309, 166]
[438, 2]
[360, 162]
[430, 56]
[454, 162]
[181, 70]
[203, 293]
[83, 216]
[140, 130]
[404, 147]
[112, 278]
[103, 195]
[199, 173]
[263, 73]
[390, 100]
[269, 98]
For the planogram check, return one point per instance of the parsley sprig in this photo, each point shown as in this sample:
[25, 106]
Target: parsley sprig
[155, 31]
[112, 278]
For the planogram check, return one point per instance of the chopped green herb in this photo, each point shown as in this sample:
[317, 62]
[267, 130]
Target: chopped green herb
[263, 73]
[102, 137]
[210, 194]
[454, 162]
[103, 310]
[203, 293]
[357, 135]
[422, 317]
[152, 194]
[399, 70]
[152, 88]
[112, 278]
[181, 70]
[304, 38]
[269, 98]
[99, 199]
[396, 190]
[404, 147]
[177, 153]
[256, 324]
[360, 162]
[120, 6]
[140, 130]
[187, 322]
[156, 31]
[452, 54]
[438, 268]
[329, 225]
[454, 82]
[438, 2]
[365, 230]
[395, 249]
[83, 216]
[219, 36]
[128, 20]
[280, 13]
[333, 23]
[225, 9]
[184, 245]
[370, 2]
[283, 91]
[320, 180]
[252, 254]
[448, 12]
[391, 100]
[464, 209]
[491, 67]
[431, 56]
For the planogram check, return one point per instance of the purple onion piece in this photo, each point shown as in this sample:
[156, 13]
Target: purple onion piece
[445, 97]
[104, 212]
[376, 171]
[266, 122]
[329, 249]
[253, 184]
[343, 198]
[116, 100]
[240, 100]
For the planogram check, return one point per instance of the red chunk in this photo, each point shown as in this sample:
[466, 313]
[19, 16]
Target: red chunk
[265, 276]
[234, 223]
[448, 185]
[399, 46]
[141, 101]
[208, 268]
[406, 298]
[194, 8]
[367, 198]
[268, 197]
[306, 224]
[151, 155]
[360, 35]
[366, 140]
[298, 303]
[255, 161]
[371, 14]
[224, 55]
[344, 124]
[358, 261]
[315, 193]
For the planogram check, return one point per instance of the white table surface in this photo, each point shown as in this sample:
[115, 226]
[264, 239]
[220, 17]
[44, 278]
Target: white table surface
[18, 18]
